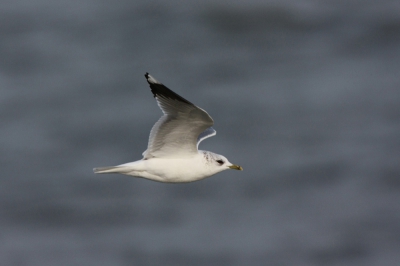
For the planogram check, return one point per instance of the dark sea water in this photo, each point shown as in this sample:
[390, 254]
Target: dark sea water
[305, 96]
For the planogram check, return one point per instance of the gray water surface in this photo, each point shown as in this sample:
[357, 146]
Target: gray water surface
[304, 95]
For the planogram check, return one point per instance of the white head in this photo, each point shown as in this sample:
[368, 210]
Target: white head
[218, 163]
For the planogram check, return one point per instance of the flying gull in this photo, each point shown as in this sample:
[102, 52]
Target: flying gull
[172, 154]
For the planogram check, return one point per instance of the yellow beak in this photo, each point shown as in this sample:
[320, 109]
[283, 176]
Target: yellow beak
[236, 167]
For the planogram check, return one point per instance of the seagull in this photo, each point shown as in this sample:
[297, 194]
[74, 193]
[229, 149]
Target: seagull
[172, 154]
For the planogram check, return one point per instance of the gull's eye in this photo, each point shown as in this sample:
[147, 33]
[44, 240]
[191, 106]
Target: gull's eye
[220, 162]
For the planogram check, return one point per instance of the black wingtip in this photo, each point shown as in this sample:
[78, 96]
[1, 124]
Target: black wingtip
[147, 75]
[158, 89]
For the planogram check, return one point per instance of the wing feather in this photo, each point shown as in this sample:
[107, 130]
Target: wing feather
[209, 132]
[177, 132]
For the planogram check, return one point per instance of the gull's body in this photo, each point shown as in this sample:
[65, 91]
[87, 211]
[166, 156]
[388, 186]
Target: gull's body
[168, 170]
[172, 154]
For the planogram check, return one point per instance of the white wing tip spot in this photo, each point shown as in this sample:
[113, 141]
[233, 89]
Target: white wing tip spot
[150, 79]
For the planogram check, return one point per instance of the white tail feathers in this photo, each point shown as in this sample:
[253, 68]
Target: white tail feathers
[126, 169]
[109, 170]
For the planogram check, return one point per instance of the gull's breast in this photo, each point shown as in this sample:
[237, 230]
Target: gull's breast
[177, 170]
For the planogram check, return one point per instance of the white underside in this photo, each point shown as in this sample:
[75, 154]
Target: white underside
[168, 170]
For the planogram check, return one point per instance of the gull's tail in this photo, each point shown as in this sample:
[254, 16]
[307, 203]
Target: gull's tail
[126, 168]
[109, 170]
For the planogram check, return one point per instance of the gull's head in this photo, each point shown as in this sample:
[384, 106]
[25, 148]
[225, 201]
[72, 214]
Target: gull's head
[220, 163]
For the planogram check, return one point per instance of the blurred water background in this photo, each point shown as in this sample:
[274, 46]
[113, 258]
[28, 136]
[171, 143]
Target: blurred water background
[305, 96]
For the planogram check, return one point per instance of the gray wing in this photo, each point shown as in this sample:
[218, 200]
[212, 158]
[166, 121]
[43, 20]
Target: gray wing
[209, 132]
[176, 133]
